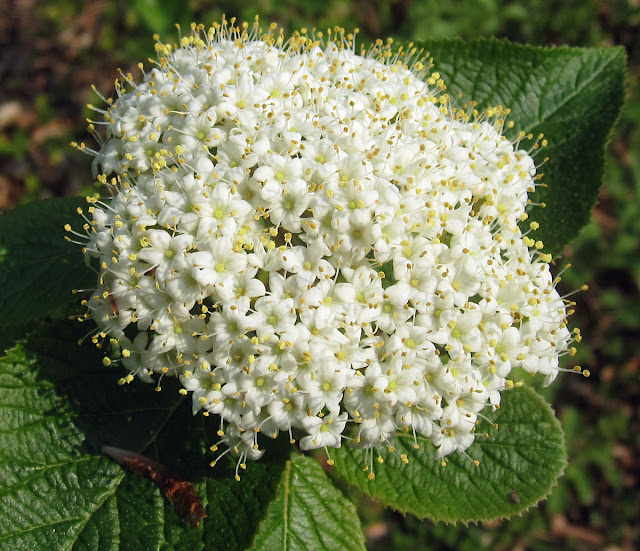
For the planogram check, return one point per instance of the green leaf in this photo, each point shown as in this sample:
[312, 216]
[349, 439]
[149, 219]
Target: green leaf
[38, 267]
[59, 406]
[309, 513]
[571, 95]
[519, 464]
[160, 16]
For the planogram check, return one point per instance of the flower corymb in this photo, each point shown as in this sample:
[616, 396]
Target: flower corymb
[314, 241]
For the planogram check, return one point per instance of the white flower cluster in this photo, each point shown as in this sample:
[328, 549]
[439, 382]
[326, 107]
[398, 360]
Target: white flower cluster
[310, 238]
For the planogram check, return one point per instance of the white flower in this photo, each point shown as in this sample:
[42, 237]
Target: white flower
[166, 253]
[308, 237]
[323, 432]
[217, 267]
[273, 316]
[323, 387]
[396, 309]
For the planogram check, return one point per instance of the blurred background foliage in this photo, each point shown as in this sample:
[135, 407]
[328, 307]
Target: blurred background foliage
[52, 51]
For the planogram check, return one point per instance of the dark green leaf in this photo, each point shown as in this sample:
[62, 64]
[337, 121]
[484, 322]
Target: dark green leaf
[58, 407]
[519, 464]
[571, 95]
[308, 513]
[38, 268]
